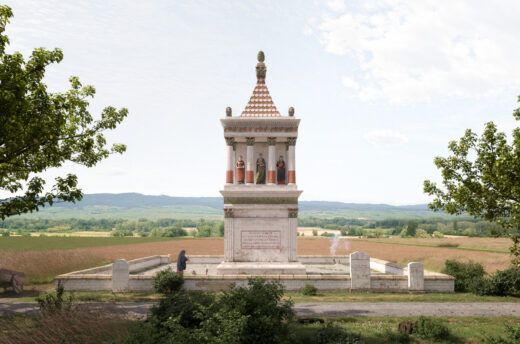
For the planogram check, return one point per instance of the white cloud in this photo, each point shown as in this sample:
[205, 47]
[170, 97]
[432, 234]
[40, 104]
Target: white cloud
[410, 50]
[385, 137]
[336, 5]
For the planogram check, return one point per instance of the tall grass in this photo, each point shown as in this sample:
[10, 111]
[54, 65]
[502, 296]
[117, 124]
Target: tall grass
[64, 327]
[43, 266]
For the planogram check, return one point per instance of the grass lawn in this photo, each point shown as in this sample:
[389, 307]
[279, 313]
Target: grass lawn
[376, 330]
[80, 327]
[297, 297]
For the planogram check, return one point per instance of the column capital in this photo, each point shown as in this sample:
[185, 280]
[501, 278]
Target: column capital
[271, 141]
[230, 141]
[291, 141]
[250, 141]
[293, 213]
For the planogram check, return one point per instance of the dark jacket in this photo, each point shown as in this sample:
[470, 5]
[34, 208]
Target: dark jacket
[181, 261]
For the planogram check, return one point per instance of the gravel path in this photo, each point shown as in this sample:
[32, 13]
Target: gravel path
[330, 309]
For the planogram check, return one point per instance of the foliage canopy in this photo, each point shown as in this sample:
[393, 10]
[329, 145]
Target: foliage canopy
[41, 129]
[481, 177]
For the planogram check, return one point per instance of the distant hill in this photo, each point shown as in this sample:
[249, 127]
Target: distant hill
[135, 205]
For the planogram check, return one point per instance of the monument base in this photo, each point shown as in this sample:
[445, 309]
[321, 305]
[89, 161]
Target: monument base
[261, 268]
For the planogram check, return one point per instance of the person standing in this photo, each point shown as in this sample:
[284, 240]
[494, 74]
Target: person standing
[181, 262]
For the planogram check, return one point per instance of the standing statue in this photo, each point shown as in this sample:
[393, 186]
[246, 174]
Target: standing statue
[241, 170]
[280, 170]
[260, 169]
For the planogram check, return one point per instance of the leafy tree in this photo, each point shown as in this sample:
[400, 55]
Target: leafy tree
[41, 130]
[481, 177]
[411, 229]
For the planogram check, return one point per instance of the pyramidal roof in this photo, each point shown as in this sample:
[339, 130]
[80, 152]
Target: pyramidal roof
[260, 104]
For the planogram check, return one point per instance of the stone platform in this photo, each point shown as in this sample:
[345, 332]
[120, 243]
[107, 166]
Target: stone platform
[261, 268]
[323, 272]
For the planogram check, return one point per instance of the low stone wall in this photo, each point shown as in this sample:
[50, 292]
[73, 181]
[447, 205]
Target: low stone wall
[121, 276]
[225, 282]
[386, 267]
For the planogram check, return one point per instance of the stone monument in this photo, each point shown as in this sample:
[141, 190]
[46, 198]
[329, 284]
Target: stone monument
[260, 194]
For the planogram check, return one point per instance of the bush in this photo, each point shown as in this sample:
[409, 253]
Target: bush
[309, 290]
[268, 316]
[314, 232]
[55, 301]
[512, 336]
[421, 233]
[333, 334]
[501, 283]
[167, 282]
[437, 234]
[327, 234]
[402, 234]
[467, 275]
[253, 314]
[431, 329]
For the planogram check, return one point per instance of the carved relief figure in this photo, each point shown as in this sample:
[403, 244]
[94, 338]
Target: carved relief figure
[280, 171]
[241, 170]
[260, 169]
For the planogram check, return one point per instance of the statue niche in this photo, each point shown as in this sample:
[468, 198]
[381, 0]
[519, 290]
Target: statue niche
[241, 170]
[260, 169]
[280, 170]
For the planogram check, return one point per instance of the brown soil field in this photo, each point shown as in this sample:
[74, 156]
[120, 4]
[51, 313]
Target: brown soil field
[41, 266]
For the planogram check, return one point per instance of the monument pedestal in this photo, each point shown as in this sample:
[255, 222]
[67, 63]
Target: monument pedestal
[260, 230]
[261, 268]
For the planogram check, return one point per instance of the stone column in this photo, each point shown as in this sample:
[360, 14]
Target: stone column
[291, 164]
[230, 141]
[228, 234]
[359, 270]
[120, 274]
[250, 164]
[293, 230]
[271, 161]
[415, 276]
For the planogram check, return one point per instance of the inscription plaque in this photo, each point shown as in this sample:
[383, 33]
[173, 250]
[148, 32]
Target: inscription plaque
[260, 240]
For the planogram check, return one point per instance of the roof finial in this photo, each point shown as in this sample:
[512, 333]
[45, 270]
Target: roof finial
[261, 70]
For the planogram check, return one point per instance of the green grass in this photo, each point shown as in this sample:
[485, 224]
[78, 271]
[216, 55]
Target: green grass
[377, 330]
[62, 243]
[297, 297]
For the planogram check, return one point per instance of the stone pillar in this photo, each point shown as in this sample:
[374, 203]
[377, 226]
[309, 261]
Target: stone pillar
[230, 160]
[228, 234]
[291, 164]
[120, 274]
[271, 161]
[293, 230]
[415, 276]
[359, 270]
[250, 164]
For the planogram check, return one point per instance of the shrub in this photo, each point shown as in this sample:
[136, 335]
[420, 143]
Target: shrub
[252, 314]
[431, 329]
[402, 234]
[167, 282]
[327, 234]
[437, 234]
[55, 301]
[501, 283]
[333, 334]
[314, 232]
[512, 336]
[467, 275]
[421, 233]
[309, 290]
[268, 316]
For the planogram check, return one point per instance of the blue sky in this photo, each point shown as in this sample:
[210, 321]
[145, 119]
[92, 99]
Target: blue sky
[380, 86]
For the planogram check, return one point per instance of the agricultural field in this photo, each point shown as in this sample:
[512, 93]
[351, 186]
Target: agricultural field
[65, 254]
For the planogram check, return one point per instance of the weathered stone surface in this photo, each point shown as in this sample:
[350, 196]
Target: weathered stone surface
[120, 274]
[359, 270]
[415, 276]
